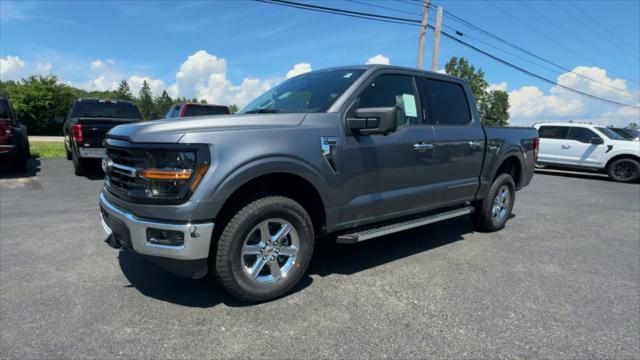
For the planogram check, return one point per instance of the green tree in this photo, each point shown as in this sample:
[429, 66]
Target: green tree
[162, 103]
[124, 92]
[203, 101]
[233, 108]
[145, 101]
[492, 105]
[633, 126]
[38, 100]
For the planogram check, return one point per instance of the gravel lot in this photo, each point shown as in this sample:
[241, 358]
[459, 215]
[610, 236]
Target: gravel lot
[561, 281]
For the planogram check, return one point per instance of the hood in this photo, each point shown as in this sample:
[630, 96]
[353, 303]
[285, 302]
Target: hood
[171, 130]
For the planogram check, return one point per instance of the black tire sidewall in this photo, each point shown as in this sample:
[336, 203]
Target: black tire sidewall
[228, 258]
[484, 218]
[631, 179]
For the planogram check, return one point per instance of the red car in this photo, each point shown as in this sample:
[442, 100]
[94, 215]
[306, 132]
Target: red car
[14, 142]
[195, 109]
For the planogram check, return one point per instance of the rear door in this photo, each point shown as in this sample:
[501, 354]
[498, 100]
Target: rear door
[553, 143]
[459, 140]
[388, 175]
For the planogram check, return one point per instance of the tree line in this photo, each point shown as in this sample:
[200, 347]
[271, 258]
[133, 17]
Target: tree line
[38, 100]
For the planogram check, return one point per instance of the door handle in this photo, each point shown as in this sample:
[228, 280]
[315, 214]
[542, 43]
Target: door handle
[566, 146]
[422, 146]
[475, 144]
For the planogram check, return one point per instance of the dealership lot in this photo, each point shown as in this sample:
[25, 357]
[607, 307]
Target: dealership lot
[562, 280]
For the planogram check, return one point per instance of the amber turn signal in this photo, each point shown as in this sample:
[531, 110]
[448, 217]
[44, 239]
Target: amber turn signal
[156, 174]
[202, 169]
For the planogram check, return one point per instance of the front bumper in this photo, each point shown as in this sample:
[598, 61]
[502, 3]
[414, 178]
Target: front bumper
[125, 229]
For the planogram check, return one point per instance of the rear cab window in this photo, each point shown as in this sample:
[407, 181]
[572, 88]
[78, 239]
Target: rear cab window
[105, 109]
[200, 110]
[445, 103]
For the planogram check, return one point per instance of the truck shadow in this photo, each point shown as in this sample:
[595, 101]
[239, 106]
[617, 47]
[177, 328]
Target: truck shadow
[329, 258]
[33, 168]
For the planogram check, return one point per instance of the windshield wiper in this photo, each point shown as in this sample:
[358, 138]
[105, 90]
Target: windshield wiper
[263, 111]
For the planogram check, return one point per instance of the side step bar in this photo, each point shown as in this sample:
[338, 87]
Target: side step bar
[401, 226]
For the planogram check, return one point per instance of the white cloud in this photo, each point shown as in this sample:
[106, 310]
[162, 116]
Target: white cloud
[204, 76]
[44, 68]
[378, 59]
[11, 68]
[501, 86]
[135, 84]
[298, 69]
[101, 65]
[530, 104]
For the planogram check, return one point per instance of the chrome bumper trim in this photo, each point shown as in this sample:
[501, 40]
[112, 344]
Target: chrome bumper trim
[197, 237]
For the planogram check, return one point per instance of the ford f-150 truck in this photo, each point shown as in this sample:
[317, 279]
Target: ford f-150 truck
[86, 125]
[352, 152]
[14, 142]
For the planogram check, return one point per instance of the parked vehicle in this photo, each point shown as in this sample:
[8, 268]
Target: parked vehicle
[627, 134]
[195, 109]
[589, 147]
[357, 152]
[86, 125]
[14, 142]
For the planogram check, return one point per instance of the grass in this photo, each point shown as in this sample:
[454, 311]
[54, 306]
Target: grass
[47, 149]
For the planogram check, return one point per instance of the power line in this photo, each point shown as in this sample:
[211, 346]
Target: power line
[376, 17]
[500, 39]
[595, 21]
[382, 7]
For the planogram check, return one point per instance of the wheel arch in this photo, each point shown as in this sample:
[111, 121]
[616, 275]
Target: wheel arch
[621, 156]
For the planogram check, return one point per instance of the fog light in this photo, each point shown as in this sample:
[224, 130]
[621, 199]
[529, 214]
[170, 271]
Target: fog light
[165, 237]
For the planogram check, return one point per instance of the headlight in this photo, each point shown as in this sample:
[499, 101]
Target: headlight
[171, 174]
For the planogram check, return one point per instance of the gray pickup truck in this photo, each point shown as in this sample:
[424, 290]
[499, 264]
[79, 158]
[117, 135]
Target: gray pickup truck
[352, 152]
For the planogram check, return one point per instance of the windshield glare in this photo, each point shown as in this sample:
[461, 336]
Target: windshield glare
[611, 134]
[306, 93]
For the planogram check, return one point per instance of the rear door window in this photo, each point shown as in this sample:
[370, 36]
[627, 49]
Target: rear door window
[445, 103]
[553, 132]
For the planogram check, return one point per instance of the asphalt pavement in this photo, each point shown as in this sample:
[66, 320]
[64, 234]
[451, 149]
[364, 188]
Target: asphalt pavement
[562, 280]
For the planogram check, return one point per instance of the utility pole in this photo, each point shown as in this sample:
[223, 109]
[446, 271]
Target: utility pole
[423, 30]
[436, 40]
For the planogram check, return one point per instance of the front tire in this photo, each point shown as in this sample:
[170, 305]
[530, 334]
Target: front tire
[492, 212]
[264, 249]
[624, 170]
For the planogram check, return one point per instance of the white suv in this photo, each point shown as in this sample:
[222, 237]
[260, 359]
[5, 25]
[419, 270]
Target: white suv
[585, 146]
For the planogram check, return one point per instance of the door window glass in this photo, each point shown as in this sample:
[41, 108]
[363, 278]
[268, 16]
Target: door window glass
[553, 132]
[393, 90]
[581, 134]
[446, 103]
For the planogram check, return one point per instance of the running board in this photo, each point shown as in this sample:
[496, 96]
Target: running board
[401, 226]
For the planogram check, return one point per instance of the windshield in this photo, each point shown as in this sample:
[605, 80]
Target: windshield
[105, 109]
[611, 134]
[306, 93]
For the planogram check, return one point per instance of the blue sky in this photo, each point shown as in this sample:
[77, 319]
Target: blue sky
[231, 50]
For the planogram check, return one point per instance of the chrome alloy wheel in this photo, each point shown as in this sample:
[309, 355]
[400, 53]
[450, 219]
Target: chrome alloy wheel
[501, 203]
[269, 251]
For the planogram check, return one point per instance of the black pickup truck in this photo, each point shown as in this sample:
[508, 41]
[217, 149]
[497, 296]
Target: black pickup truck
[86, 125]
[14, 143]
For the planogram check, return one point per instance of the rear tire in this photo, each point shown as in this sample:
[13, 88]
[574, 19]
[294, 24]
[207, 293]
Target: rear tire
[79, 165]
[68, 153]
[252, 262]
[624, 170]
[492, 212]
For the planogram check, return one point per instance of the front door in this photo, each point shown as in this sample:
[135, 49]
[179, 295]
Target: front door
[580, 151]
[388, 175]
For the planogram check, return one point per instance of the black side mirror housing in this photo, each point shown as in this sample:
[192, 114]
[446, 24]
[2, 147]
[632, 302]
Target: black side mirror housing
[378, 120]
[596, 140]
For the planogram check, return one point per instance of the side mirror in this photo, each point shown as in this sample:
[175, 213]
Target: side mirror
[58, 120]
[379, 120]
[596, 140]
